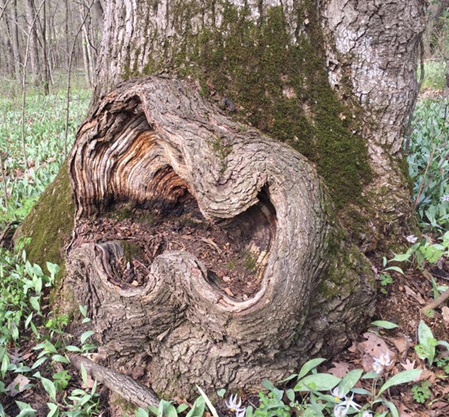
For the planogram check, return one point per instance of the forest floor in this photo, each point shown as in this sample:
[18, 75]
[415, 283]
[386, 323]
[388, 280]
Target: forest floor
[399, 301]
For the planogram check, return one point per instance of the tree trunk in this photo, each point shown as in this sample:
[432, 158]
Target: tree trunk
[239, 223]
[335, 79]
[15, 42]
[34, 42]
[207, 251]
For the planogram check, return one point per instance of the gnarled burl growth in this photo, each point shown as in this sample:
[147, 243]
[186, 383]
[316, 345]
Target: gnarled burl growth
[203, 249]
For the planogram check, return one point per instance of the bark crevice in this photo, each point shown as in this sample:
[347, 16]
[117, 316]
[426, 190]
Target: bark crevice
[206, 187]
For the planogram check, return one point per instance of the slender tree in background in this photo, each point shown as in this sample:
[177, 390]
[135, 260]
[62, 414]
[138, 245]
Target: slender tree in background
[334, 81]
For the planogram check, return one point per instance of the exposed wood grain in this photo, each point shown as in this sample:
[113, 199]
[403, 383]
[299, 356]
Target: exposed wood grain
[150, 143]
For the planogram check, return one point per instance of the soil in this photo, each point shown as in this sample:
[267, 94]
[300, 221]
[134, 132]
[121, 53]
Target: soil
[229, 249]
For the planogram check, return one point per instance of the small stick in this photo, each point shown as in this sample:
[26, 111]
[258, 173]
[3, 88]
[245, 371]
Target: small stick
[435, 303]
[123, 385]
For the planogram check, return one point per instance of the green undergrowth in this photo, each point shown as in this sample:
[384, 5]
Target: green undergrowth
[434, 75]
[428, 150]
[44, 147]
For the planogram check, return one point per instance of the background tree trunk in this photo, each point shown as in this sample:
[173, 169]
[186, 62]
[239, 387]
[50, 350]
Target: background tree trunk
[32, 20]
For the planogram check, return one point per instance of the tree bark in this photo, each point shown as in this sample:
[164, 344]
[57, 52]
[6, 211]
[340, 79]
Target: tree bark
[15, 42]
[156, 146]
[34, 42]
[336, 79]
[170, 194]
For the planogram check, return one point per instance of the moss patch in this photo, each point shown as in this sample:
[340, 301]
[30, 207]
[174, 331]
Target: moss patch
[278, 84]
[50, 223]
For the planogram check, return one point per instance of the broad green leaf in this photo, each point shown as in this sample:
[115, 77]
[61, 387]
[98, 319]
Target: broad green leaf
[53, 268]
[400, 378]
[317, 382]
[400, 257]
[221, 393]
[290, 395]
[289, 378]
[28, 320]
[169, 409]
[394, 268]
[394, 411]
[384, 324]
[308, 366]
[183, 407]
[39, 362]
[83, 374]
[34, 301]
[86, 336]
[267, 384]
[141, 413]
[348, 381]
[54, 410]
[426, 339]
[72, 348]
[198, 408]
[83, 310]
[208, 402]
[49, 387]
[60, 358]
[153, 409]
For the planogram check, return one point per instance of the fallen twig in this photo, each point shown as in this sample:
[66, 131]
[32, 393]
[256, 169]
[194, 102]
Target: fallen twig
[435, 303]
[121, 384]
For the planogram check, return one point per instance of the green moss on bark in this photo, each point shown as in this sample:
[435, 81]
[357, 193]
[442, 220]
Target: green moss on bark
[50, 223]
[278, 84]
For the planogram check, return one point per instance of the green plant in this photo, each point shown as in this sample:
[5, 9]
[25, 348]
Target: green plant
[427, 149]
[426, 348]
[61, 380]
[443, 363]
[421, 392]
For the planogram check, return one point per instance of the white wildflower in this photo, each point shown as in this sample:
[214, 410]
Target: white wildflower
[445, 197]
[342, 409]
[235, 404]
[242, 412]
[367, 413]
[411, 238]
[337, 396]
[382, 362]
[351, 403]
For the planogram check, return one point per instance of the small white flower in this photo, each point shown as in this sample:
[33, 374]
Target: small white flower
[411, 238]
[235, 404]
[337, 396]
[382, 362]
[340, 411]
[445, 197]
[350, 403]
[242, 412]
[367, 413]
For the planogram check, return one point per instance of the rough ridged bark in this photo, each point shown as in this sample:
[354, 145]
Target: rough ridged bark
[376, 45]
[301, 72]
[369, 58]
[149, 144]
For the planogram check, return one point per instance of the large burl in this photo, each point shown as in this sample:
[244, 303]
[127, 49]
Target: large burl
[205, 251]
